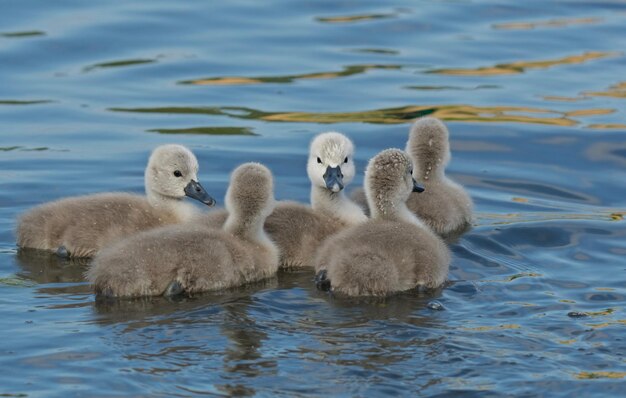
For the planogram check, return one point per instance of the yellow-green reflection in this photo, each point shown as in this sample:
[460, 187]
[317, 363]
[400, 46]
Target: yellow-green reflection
[29, 33]
[242, 80]
[608, 311]
[491, 219]
[118, 64]
[589, 112]
[553, 23]
[561, 98]
[207, 131]
[404, 114]
[619, 322]
[521, 66]
[491, 328]
[16, 281]
[617, 91]
[465, 113]
[607, 126]
[353, 18]
[600, 375]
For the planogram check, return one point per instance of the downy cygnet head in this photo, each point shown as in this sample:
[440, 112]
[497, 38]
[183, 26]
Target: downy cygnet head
[389, 180]
[331, 161]
[172, 172]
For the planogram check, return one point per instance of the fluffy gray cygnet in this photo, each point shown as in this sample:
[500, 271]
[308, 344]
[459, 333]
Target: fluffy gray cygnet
[81, 226]
[393, 251]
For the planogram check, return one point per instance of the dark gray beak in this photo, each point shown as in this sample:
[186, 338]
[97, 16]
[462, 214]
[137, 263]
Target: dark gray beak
[333, 179]
[195, 191]
[417, 187]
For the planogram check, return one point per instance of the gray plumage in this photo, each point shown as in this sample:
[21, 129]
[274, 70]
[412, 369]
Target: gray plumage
[444, 205]
[194, 257]
[297, 229]
[393, 251]
[85, 224]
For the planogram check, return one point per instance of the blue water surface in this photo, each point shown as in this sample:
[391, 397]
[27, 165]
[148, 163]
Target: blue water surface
[534, 96]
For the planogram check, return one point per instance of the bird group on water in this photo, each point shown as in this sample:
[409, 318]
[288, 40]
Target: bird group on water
[385, 238]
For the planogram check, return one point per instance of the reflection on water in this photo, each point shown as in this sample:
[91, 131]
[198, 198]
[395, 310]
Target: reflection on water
[381, 51]
[535, 301]
[21, 102]
[601, 375]
[607, 126]
[553, 23]
[117, 64]
[354, 18]
[28, 33]
[226, 130]
[478, 87]
[522, 66]
[239, 80]
[406, 114]
[43, 268]
[617, 91]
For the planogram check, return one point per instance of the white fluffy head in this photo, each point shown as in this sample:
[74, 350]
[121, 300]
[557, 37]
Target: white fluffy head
[333, 150]
[170, 168]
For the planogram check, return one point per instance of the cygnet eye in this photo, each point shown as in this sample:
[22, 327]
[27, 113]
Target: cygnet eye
[177, 173]
[319, 160]
[345, 160]
[411, 171]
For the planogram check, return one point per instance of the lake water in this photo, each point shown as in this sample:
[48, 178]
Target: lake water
[533, 93]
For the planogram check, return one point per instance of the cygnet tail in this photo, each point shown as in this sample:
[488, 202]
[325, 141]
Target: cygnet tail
[364, 274]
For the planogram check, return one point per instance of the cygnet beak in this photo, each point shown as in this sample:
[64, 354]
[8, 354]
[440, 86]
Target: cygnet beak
[195, 191]
[333, 179]
[417, 187]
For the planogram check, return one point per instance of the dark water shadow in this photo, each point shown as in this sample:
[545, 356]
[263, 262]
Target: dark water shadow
[118, 64]
[44, 267]
[217, 130]
[23, 34]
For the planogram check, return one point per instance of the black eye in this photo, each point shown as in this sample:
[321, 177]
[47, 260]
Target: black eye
[345, 160]
[177, 173]
[411, 171]
[319, 160]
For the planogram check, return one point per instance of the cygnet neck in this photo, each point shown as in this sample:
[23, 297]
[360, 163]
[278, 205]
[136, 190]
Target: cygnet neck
[431, 170]
[246, 227]
[336, 205]
[381, 209]
[182, 211]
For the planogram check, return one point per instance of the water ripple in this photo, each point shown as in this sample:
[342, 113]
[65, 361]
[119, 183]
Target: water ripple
[552, 23]
[521, 66]
[405, 114]
[242, 80]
